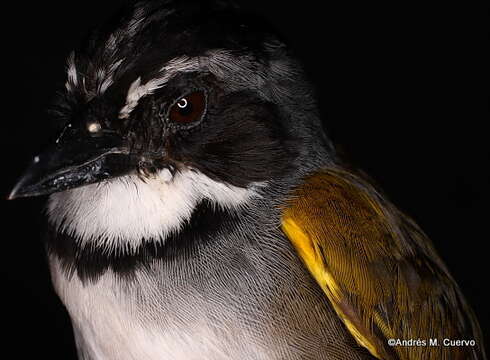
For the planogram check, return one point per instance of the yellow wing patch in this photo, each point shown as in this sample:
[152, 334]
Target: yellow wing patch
[378, 270]
[311, 257]
[313, 261]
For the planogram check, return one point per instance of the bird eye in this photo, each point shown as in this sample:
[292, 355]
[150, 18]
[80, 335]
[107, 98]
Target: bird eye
[189, 108]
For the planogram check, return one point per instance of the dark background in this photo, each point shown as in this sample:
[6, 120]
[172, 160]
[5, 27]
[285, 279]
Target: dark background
[403, 89]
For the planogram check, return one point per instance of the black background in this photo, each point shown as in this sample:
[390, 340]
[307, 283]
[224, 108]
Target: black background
[403, 89]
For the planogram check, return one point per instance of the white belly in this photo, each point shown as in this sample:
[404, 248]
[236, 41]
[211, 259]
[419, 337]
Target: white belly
[109, 325]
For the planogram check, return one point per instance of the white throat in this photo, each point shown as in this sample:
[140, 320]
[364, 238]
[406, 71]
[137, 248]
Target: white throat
[119, 214]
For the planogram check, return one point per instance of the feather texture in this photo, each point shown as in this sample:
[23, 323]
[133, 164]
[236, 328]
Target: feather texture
[379, 271]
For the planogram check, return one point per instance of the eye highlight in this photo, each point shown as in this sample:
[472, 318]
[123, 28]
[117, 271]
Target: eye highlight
[188, 109]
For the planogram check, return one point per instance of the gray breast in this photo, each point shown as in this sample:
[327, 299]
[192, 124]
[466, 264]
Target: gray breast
[241, 298]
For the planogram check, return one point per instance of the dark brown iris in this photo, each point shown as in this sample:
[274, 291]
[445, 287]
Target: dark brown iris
[188, 109]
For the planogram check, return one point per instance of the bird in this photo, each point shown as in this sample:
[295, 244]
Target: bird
[197, 209]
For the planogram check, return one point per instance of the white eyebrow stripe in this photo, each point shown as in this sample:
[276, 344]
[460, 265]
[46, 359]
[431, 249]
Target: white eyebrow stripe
[72, 80]
[103, 76]
[105, 72]
[107, 78]
[137, 90]
[221, 63]
[237, 71]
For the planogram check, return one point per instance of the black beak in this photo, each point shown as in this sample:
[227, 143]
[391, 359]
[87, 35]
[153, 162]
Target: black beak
[82, 160]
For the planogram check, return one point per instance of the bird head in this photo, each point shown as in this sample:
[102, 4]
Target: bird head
[192, 94]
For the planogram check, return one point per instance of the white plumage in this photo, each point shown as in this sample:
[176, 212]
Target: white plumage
[119, 213]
